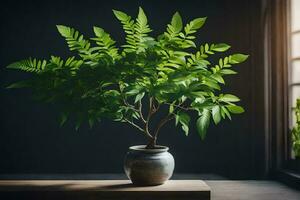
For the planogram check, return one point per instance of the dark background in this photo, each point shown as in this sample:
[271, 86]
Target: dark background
[31, 140]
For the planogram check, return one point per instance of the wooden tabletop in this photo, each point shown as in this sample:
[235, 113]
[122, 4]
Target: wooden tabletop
[93, 189]
[103, 189]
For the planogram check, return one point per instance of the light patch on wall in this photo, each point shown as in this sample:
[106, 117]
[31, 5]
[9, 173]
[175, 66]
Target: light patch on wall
[294, 77]
[295, 72]
[295, 8]
[296, 45]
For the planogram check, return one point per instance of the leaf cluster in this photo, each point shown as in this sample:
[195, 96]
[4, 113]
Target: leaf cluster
[104, 81]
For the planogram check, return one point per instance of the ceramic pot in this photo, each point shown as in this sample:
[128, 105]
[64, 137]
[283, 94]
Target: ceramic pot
[148, 166]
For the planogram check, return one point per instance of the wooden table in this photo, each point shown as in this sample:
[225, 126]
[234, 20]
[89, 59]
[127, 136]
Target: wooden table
[221, 189]
[104, 189]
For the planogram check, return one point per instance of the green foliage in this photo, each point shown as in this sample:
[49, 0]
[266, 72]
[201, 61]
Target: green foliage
[296, 131]
[106, 46]
[176, 38]
[184, 120]
[203, 122]
[105, 52]
[136, 31]
[29, 65]
[100, 81]
[75, 40]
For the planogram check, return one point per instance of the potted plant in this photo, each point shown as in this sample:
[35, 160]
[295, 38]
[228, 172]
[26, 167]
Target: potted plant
[131, 84]
[296, 131]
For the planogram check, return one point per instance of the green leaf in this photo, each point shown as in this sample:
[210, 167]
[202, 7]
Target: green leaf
[212, 84]
[29, 65]
[77, 125]
[120, 15]
[197, 23]
[106, 45]
[171, 108]
[237, 58]
[220, 47]
[64, 30]
[139, 97]
[133, 92]
[63, 118]
[98, 31]
[198, 94]
[216, 114]
[20, 84]
[176, 22]
[202, 123]
[91, 122]
[224, 109]
[184, 120]
[185, 128]
[235, 109]
[79, 121]
[227, 71]
[76, 41]
[142, 17]
[229, 98]
[218, 78]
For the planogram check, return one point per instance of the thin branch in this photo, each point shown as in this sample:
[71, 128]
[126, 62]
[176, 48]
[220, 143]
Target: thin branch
[149, 115]
[151, 111]
[129, 105]
[135, 125]
[125, 101]
[141, 115]
[179, 106]
[156, 108]
[162, 123]
[141, 112]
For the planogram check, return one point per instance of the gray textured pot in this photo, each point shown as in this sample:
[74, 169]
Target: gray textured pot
[148, 166]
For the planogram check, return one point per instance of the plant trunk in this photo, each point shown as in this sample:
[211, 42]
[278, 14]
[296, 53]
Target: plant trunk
[151, 144]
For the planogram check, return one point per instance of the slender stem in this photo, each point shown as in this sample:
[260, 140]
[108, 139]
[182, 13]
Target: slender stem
[141, 115]
[139, 128]
[150, 112]
[162, 123]
[179, 106]
[152, 142]
[124, 99]
[156, 107]
[141, 112]
[135, 125]
[129, 105]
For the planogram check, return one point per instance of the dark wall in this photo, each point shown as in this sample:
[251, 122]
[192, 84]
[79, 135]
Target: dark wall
[31, 140]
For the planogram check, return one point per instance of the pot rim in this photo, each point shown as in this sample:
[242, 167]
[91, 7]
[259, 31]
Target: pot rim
[141, 148]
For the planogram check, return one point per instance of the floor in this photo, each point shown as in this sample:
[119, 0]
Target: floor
[251, 190]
